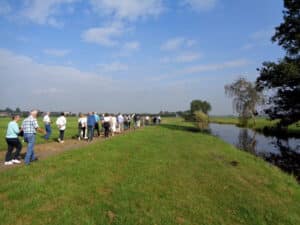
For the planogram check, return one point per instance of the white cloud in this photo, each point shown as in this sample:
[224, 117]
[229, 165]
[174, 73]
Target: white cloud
[200, 5]
[205, 68]
[258, 38]
[248, 46]
[105, 36]
[132, 46]
[48, 91]
[113, 67]
[262, 35]
[188, 57]
[65, 88]
[214, 67]
[57, 52]
[182, 58]
[128, 49]
[61, 85]
[44, 11]
[128, 9]
[4, 8]
[177, 43]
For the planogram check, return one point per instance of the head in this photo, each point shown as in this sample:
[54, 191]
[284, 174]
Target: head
[34, 113]
[48, 113]
[62, 114]
[16, 118]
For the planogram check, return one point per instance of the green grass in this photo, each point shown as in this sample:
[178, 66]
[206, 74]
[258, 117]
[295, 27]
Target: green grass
[71, 131]
[166, 174]
[261, 124]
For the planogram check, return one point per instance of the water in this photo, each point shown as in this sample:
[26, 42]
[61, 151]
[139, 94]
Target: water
[282, 152]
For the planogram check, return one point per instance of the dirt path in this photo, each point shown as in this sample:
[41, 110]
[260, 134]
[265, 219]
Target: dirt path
[43, 151]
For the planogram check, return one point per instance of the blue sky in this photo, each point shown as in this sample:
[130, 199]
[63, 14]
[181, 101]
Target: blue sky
[131, 55]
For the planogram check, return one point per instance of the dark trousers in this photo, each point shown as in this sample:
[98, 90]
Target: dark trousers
[97, 128]
[81, 130]
[106, 129]
[13, 143]
[61, 134]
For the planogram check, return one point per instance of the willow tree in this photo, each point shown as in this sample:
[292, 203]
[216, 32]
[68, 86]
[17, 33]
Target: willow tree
[246, 98]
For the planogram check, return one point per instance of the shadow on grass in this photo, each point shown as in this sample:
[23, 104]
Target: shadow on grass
[184, 128]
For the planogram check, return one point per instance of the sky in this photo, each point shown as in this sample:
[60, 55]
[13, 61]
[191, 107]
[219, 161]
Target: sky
[131, 55]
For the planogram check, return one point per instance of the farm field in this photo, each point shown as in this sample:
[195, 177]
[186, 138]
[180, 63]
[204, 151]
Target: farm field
[166, 174]
[261, 124]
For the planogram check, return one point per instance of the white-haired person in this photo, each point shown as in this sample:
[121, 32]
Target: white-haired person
[13, 142]
[30, 126]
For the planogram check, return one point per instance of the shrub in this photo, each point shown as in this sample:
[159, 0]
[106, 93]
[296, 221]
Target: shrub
[201, 120]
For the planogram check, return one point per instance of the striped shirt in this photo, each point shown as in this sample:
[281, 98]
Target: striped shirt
[30, 125]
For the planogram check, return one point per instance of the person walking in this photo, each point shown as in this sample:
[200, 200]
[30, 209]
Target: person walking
[97, 119]
[147, 120]
[91, 121]
[106, 125]
[120, 120]
[13, 141]
[82, 121]
[61, 123]
[129, 121]
[113, 125]
[47, 124]
[30, 126]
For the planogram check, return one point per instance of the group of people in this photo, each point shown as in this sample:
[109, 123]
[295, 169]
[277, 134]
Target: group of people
[89, 126]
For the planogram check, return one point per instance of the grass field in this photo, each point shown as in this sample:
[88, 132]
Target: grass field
[261, 124]
[165, 174]
[71, 130]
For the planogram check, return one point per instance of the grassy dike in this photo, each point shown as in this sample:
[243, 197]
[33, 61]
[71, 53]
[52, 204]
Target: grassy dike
[262, 125]
[166, 174]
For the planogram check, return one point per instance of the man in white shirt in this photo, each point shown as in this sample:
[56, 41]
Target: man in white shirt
[120, 119]
[61, 123]
[47, 123]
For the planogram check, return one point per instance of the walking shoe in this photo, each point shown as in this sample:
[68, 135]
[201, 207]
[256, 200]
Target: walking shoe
[58, 140]
[8, 163]
[61, 142]
[16, 161]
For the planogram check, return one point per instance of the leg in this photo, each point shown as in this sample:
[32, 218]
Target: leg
[48, 131]
[10, 148]
[61, 134]
[30, 148]
[18, 146]
[92, 133]
[83, 132]
[79, 133]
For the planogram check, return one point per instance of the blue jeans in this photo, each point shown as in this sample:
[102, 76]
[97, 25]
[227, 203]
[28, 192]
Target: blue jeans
[30, 139]
[90, 132]
[48, 131]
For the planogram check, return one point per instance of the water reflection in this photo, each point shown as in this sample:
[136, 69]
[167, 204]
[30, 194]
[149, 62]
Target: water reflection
[282, 152]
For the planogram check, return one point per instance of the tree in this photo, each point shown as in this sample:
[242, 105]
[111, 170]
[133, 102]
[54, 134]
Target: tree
[18, 110]
[9, 110]
[245, 99]
[201, 120]
[282, 78]
[198, 105]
